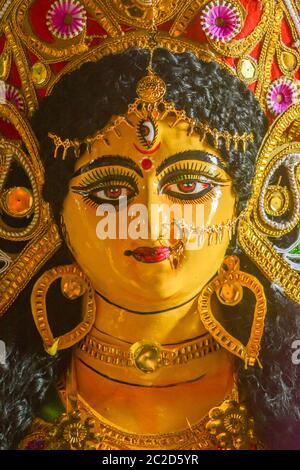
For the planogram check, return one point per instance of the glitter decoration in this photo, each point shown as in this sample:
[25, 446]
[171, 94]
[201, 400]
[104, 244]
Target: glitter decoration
[221, 20]
[282, 94]
[9, 93]
[66, 19]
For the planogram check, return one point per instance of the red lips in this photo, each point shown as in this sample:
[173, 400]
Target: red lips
[146, 254]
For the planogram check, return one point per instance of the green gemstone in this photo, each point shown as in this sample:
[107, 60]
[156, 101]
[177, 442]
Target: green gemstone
[296, 250]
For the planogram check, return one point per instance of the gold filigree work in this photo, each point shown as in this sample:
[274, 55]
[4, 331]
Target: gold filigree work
[146, 355]
[150, 103]
[269, 214]
[85, 429]
[139, 13]
[229, 276]
[39, 309]
[231, 426]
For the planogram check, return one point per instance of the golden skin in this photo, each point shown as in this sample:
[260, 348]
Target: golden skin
[150, 287]
[169, 287]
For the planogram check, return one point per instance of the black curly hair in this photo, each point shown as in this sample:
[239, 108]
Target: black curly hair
[82, 103]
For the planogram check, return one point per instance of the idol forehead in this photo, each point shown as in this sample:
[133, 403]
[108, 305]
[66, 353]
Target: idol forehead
[171, 145]
[127, 162]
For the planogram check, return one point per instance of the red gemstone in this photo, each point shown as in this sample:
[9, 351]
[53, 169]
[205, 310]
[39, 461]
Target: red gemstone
[146, 163]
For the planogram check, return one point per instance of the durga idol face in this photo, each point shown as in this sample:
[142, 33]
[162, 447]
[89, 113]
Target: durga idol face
[149, 213]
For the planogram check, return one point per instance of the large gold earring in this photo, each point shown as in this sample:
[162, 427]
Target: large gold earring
[74, 283]
[228, 286]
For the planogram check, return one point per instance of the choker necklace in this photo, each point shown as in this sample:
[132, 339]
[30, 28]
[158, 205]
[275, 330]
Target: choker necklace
[147, 356]
[146, 313]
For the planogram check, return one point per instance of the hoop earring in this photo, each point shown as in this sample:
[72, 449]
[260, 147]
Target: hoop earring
[74, 284]
[227, 285]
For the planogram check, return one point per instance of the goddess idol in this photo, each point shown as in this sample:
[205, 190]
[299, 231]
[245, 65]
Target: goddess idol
[123, 329]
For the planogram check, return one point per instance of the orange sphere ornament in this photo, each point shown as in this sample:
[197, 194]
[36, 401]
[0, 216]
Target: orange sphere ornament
[17, 202]
[231, 293]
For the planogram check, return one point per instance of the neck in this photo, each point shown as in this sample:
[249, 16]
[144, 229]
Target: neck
[145, 402]
[175, 325]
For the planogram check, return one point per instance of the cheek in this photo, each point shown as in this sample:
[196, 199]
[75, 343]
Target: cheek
[214, 223]
[217, 211]
[85, 227]
[203, 261]
[222, 204]
[80, 222]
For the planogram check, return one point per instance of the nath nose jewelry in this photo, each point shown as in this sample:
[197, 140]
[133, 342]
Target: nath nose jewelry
[215, 232]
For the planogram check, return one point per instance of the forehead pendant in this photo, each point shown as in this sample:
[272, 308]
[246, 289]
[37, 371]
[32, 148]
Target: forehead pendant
[151, 90]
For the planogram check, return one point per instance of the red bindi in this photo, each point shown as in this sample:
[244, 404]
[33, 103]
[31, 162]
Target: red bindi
[146, 163]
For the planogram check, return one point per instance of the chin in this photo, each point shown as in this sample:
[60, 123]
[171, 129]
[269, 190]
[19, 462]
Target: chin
[160, 288]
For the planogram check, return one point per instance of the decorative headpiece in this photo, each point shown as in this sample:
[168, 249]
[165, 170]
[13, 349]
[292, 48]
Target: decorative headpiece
[150, 103]
[41, 41]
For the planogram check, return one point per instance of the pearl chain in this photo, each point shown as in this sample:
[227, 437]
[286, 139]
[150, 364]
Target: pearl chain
[4, 8]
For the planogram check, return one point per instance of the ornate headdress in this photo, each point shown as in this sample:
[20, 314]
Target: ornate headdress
[150, 104]
[258, 41]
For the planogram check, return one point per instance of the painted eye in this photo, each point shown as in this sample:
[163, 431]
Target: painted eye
[187, 187]
[112, 193]
[147, 132]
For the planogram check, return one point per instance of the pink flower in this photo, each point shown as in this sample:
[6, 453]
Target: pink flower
[282, 93]
[8, 93]
[66, 18]
[221, 20]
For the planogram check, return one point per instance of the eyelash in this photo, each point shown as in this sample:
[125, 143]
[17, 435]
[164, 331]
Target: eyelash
[98, 174]
[194, 167]
[96, 181]
[190, 173]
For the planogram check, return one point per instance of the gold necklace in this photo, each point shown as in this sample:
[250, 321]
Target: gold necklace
[227, 426]
[147, 356]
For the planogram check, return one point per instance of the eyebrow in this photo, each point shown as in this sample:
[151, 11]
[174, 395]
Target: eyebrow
[190, 155]
[108, 160]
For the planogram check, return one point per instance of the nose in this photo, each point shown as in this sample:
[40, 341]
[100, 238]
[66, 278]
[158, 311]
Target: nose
[161, 215]
[154, 211]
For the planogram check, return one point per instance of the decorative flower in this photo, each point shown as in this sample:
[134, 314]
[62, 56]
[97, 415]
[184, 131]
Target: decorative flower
[12, 95]
[66, 18]
[282, 93]
[73, 432]
[231, 426]
[221, 20]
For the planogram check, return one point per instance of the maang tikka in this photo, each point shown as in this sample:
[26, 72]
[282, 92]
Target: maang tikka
[151, 104]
